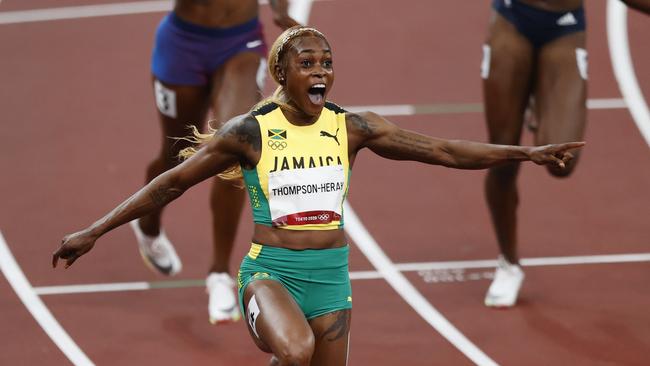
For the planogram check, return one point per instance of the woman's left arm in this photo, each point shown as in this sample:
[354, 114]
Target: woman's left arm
[370, 130]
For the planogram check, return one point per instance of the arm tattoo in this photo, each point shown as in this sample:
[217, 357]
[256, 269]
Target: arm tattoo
[246, 131]
[360, 123]
[339, 328]
[412, 143]
[163, 195]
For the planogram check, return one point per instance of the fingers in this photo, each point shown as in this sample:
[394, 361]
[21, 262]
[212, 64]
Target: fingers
[571, 145]
[57, 254]
[64, 253]
[557, 154]
[71, 260]
[558, 162]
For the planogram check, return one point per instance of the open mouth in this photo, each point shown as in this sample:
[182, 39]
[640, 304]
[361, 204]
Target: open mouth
[317, 93]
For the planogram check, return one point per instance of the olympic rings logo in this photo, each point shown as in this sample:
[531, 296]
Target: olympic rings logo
[323, 217]
[277, 145]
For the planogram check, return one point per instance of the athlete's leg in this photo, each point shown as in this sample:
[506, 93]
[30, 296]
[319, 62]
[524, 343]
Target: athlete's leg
[506, 87]
[235, 92]
[178, 108]
[331, 332]
[561, 92]
[507, 71]
[277, 324]
[332, 345]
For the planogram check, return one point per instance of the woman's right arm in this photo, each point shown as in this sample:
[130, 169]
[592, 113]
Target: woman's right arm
[232, 144]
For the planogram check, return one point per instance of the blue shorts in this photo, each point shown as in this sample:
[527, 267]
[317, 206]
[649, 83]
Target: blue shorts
[188, 54]
[540, 26]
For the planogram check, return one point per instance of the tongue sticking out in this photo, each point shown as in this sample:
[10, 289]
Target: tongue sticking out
[316, 98]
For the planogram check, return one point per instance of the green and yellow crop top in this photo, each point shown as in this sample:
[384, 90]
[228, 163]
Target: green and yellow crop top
[302, 177]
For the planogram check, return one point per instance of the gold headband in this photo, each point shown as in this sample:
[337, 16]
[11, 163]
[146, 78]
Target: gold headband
[292, 34]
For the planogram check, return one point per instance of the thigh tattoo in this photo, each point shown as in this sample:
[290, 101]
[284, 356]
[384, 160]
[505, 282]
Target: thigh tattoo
[339, 328]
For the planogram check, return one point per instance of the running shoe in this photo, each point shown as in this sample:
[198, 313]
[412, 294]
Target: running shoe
[157, 252]
[222, 302]
[505, 285]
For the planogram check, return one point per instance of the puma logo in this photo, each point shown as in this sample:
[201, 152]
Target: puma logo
[327, 134]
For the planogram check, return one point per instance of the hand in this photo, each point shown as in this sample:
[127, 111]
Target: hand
[554, 154]
[72, 247]
[284, 21]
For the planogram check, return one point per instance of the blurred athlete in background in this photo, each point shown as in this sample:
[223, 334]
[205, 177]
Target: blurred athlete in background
[206, 57]
[534, 56]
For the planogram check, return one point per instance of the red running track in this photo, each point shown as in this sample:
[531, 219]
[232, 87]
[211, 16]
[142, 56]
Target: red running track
[79, 125]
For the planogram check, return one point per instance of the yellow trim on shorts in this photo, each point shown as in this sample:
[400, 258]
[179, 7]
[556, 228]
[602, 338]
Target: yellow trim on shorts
[255, 250]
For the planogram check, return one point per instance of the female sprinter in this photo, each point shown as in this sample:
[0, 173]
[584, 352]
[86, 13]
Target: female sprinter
[534, 49]
[295, 151]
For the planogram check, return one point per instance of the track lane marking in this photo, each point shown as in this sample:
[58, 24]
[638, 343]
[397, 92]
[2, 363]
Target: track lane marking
[37, 308]
[619, 52]
[112, 9]
[454, 108]
[356, 275]
[84, 11]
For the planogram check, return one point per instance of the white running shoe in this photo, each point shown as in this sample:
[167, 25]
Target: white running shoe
[222, 302]
[157, 252]
[505, 285]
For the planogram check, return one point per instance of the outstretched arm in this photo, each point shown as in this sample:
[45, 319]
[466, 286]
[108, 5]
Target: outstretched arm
[232, 144]
[385, 139]
[281, 16]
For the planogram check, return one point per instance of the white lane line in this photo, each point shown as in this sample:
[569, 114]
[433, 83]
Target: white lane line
[592, 259]
[407, 291]
[452, 108]
[37, 308]
[84, 11]
[385, 110]
[619, 52]
[529, 262]
[300, 10]
[92, 288]
[606, 103]
[137, 7]
[356, 275]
